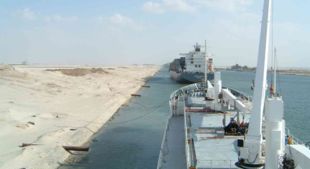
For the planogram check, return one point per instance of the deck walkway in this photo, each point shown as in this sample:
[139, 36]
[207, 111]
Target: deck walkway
[173, 152]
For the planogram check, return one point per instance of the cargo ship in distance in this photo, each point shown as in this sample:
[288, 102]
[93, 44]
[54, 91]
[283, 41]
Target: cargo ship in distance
[194, 66]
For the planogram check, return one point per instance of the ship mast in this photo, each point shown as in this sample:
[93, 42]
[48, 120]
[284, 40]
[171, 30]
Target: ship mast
[251, 153]
[206, 63]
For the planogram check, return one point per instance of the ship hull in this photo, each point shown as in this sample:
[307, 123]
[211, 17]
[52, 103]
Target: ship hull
[189, 77]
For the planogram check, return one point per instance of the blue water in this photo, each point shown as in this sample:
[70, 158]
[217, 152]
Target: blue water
[131, 140]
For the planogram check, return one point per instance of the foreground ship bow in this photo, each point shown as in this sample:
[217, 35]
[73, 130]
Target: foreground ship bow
[205, 125]
[212, 127]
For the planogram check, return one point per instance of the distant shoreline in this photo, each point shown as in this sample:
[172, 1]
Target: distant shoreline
[298, 72]
[284, 70]
[295, 72]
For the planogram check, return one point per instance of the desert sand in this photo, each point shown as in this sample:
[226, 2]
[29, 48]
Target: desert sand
[54, 107]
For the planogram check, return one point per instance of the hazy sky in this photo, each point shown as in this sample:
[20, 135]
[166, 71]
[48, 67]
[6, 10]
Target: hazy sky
[148, 31]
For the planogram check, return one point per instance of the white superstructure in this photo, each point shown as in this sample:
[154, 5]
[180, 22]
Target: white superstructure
[195, 60]
[195, 66]
[198, 61]
[267, 149]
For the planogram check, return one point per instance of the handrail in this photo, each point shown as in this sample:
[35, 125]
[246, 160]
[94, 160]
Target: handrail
[212, 163]
[202, 84]
[296, 140]
[193, 153]
[234, 91]
[190, 144]
[162, 148]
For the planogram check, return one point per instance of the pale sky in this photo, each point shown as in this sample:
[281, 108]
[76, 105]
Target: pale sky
[118, 32]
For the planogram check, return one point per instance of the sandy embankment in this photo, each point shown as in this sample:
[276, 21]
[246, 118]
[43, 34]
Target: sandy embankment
[54, 108]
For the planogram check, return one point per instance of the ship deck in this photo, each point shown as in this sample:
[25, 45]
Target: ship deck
[195, 135]
[173, 149]
[209, 147]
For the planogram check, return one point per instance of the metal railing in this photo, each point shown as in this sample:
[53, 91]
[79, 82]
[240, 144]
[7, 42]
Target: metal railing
[295, 139]
[210, 164]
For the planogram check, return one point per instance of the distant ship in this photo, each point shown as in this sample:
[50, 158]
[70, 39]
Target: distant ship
[193, 67]
[213, 127]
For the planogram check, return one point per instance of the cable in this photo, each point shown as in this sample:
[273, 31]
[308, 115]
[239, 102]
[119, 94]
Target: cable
[141, 116]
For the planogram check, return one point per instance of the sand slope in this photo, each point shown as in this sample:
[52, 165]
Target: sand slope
[56, 107]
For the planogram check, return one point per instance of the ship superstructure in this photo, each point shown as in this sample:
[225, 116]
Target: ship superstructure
[194, 66]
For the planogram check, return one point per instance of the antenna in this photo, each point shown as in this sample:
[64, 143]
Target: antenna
[273, 74]
[275, 71]
[206, 47]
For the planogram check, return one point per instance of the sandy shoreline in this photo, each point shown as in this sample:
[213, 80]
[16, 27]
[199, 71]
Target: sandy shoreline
[58, 107]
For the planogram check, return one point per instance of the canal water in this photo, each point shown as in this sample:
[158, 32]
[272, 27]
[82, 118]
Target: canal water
[132, 139]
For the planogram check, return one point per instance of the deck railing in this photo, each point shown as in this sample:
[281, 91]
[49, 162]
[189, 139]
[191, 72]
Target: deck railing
[163, 149]
[295, 139]
[210, 164]
[190, 143]
[239, 93]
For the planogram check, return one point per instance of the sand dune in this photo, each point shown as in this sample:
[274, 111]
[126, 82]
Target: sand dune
[50, 108]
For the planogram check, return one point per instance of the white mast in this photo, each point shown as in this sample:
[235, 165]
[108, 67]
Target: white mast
[251, 153]
[206, 63]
